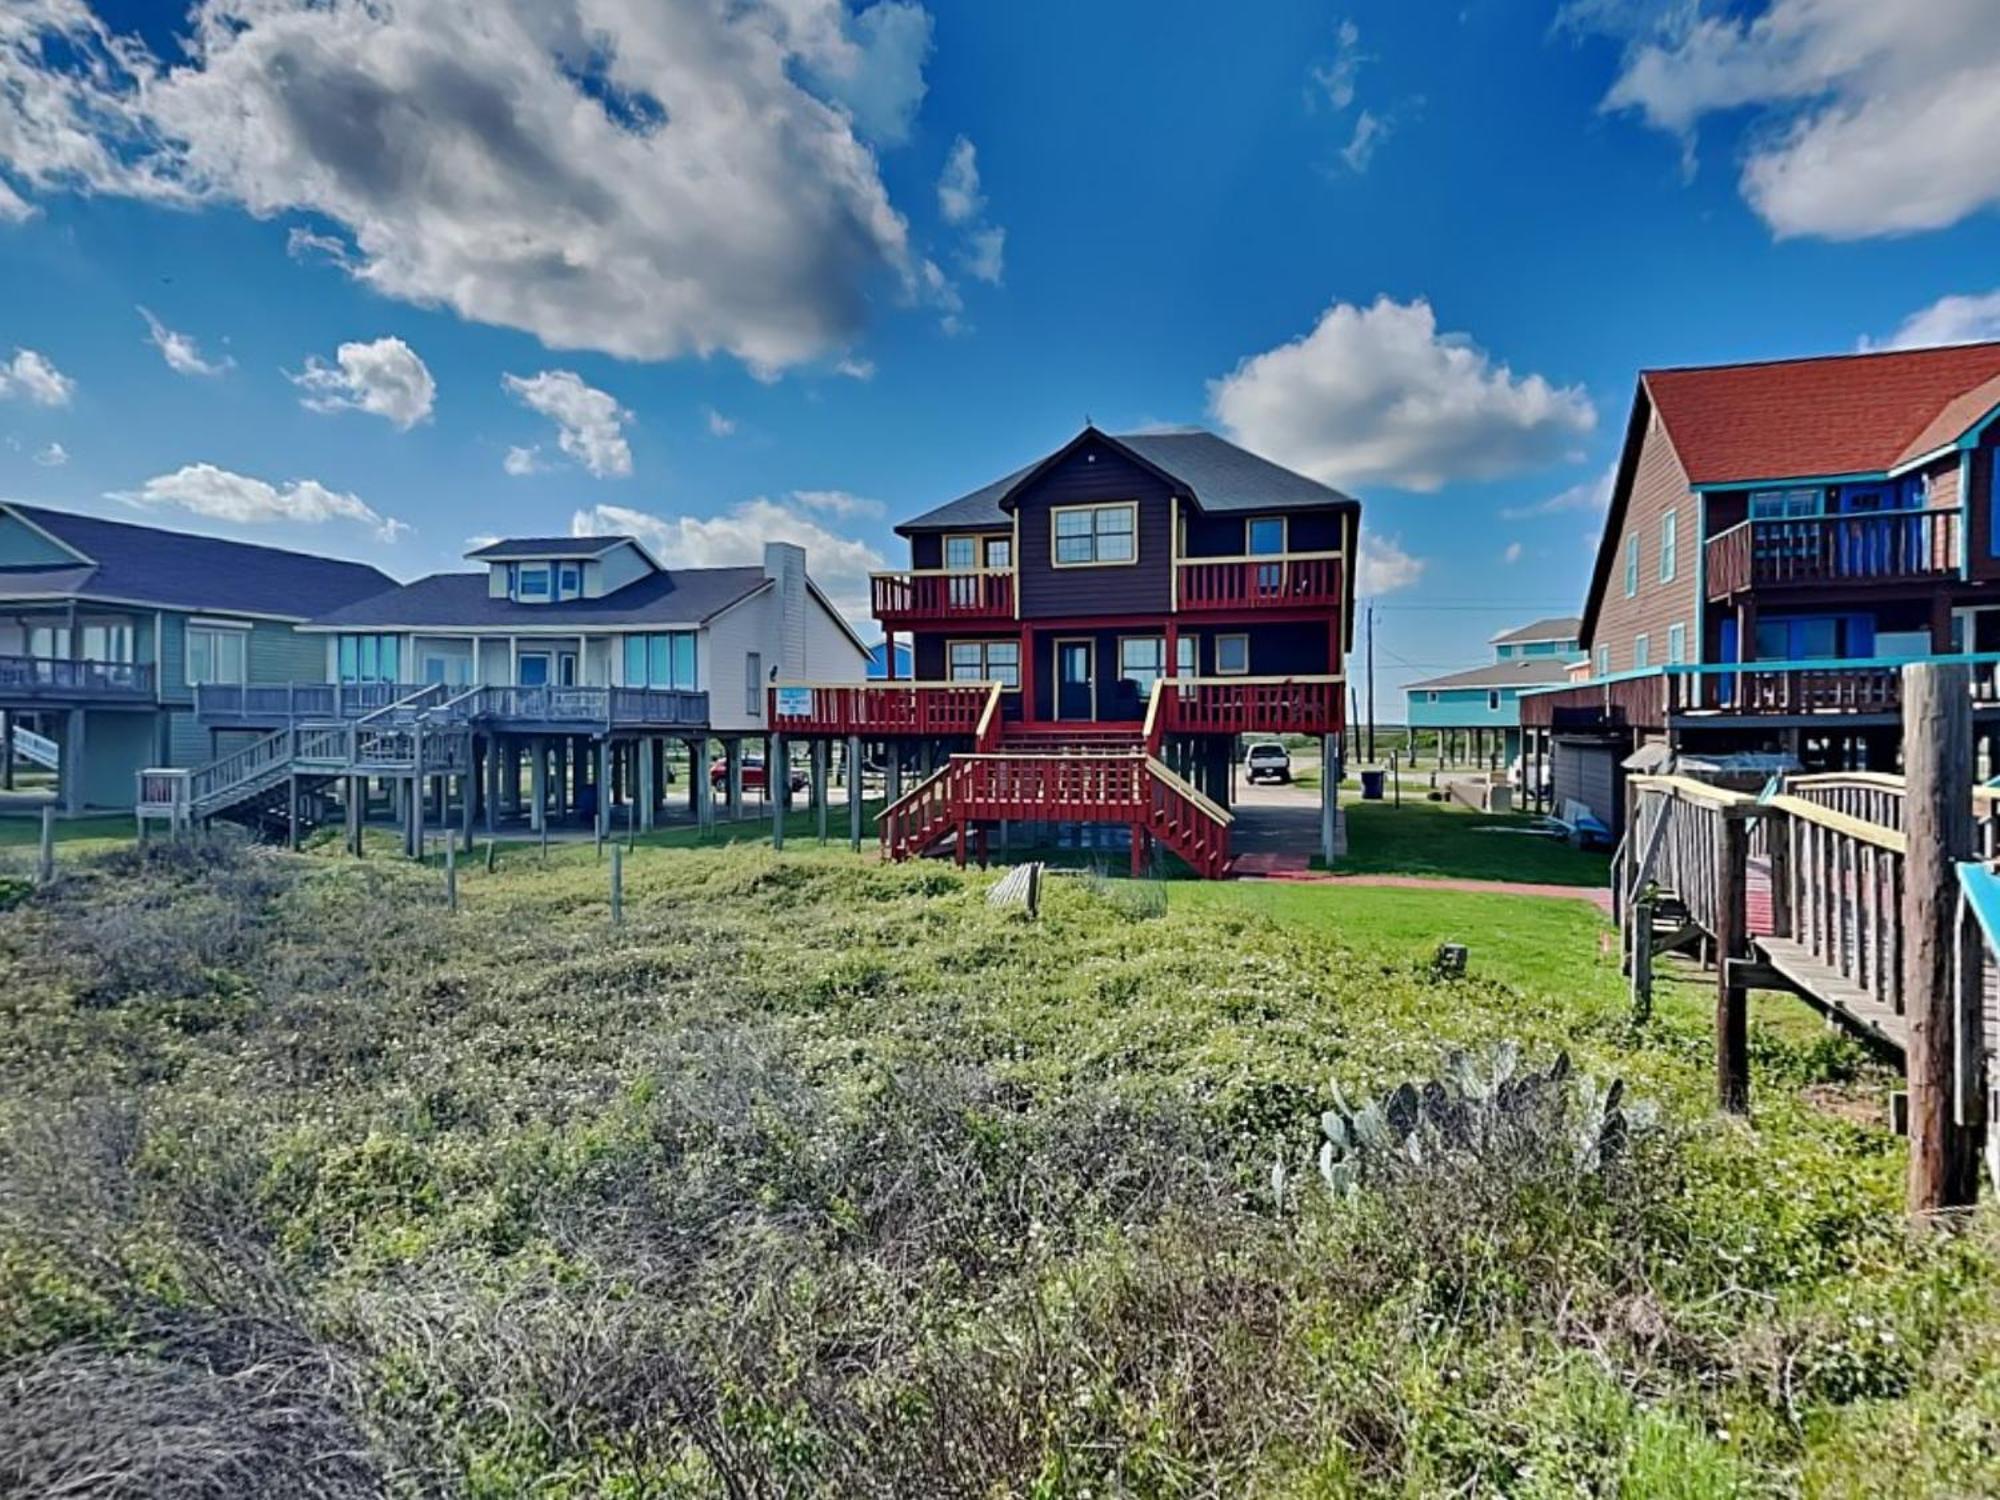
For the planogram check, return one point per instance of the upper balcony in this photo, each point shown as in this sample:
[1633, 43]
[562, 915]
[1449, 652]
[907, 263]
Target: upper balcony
[942, 596]
[1876, 547]
[1275, 581]
[38, 680]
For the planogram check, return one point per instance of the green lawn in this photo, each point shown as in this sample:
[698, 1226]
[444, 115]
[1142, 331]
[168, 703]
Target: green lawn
[1446, 839]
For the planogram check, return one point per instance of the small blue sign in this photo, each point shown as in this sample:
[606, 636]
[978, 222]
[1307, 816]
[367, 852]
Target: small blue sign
[795, 702]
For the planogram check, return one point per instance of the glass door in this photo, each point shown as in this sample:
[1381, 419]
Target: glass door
[1076, 683]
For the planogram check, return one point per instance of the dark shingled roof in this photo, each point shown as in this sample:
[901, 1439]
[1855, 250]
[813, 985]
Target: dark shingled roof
[1555, 628]
[684, 596]
[1522, 672]
[1221, 477]
[545, 546]
[177, 570]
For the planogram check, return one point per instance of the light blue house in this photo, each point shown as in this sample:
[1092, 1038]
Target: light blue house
[108, 628]
[1479, 709]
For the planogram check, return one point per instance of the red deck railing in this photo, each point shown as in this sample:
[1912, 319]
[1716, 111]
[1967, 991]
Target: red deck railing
[1244, 705]
[936, 708]
[1291, 580]
[919, 597]
[1897, 546]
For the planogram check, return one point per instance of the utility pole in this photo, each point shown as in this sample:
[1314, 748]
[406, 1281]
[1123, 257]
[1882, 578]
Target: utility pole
[1371, 684]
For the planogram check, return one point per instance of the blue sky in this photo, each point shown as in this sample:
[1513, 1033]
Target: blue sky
[782, 266]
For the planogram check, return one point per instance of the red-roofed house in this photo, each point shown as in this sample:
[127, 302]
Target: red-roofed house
[1781, 537]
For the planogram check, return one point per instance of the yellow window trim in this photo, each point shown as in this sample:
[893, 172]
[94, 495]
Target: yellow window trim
[1093, 508]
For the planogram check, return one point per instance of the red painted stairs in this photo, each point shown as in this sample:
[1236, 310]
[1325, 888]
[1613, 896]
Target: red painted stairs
[1059, 775]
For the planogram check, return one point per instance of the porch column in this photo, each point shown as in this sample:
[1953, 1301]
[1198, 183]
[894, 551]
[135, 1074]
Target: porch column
[538, 783]
[1028, 714]
[822, 793]
[854, 782]
[648, 787]
[892, 756]
[889, 655]
[7, 749]
[604, 787]
[1329, 782]
[70, 762]
[774, 779]
[732, 768]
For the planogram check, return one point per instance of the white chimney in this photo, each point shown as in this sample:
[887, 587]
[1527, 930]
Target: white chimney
[786, 562]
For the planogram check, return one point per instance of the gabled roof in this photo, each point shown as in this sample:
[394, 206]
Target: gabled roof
[1555, 628]
[1522, 672]
[151, 566]
[546, 546]
[1218, 476]
[682, 596]
[1815, 418]
[1800, 419]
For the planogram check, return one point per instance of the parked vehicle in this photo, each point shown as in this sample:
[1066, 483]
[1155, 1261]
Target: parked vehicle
[1267, 760]
[1517, 777]
[753, 774]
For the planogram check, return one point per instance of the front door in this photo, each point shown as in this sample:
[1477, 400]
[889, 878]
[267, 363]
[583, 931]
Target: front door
[566, 669]
[1076, 684]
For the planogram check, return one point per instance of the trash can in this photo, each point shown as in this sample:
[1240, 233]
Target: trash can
[1371, 783]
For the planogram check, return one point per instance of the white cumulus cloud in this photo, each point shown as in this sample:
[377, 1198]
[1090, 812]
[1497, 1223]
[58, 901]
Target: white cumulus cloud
[1866, 117]
[961, 203]
[718, 425]
[840, 565]
[1591, 496]
[590, 424]
[1376, 395]
[837, 503]
[31, 376]
[521, 462]
[53, 456]
[205, 490]
[646, 178]
[385, 377]
[179, 350]
[1951, 320]
[1383, 566]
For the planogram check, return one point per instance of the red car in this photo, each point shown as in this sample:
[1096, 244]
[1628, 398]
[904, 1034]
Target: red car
[753, 774]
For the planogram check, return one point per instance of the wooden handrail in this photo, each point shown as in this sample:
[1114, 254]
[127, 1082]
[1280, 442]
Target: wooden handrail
[1858, 829]
[940, 572]
[1703, 792]
[1207, 804]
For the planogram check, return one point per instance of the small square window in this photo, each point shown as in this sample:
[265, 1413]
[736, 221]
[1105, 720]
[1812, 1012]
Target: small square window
[1232, 655]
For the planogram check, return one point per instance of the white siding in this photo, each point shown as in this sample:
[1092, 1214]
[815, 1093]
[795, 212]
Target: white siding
[621, 565]
[720, 650]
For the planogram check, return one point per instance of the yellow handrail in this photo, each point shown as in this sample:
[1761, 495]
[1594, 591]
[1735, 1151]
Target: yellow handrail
[987, 731]
[1262, 557]
[1855, 828]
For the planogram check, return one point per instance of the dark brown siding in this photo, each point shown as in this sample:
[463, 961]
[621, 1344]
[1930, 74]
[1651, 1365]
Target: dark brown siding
[1225, 536]
[1092, 474]
[927, 547]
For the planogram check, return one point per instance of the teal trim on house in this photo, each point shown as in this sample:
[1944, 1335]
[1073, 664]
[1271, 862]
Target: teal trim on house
[22, 546]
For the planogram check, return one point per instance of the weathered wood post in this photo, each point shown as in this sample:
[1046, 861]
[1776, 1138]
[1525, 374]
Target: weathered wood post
[450, 870]
[45, 861]
[1937, 827]
[1329, 791]
[617, 885]
[855, 777]
[1732, 945]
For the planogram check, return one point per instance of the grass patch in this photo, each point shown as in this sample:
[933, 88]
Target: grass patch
[1448, 839]
[820, 1177]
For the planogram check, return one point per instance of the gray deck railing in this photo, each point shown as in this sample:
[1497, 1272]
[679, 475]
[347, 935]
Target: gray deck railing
[285, 702]
[54, 678]
[309, 702]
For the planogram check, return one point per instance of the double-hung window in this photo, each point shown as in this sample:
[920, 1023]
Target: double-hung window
[569, 581]
[1232, 655]
[1142, 660]
[961, 553]
[217, 653]
[1603, 661]
[107, 643]
[1677, 644]
[531, 583]
[1670, 528]
[1631, 566]
[1089, 536]
[985, 661]
[1642, 652]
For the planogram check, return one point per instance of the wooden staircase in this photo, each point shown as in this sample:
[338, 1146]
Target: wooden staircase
[1090, 774]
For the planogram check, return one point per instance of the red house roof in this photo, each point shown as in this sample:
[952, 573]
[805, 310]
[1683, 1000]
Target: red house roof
[1808, 418]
